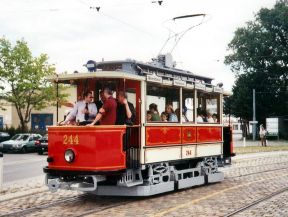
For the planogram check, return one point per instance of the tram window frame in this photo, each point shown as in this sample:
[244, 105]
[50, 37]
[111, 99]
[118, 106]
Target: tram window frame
[184, 108]
[174, 101]
[204, 105]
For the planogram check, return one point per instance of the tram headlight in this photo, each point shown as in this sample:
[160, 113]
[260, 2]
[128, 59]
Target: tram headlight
[69, 156]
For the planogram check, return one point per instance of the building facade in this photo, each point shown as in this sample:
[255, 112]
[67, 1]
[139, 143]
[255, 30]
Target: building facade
[39, 119]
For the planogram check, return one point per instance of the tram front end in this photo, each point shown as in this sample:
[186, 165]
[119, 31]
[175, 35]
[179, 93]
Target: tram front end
[80, 157]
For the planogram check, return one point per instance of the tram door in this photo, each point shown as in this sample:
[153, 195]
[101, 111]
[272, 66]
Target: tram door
[132, 88]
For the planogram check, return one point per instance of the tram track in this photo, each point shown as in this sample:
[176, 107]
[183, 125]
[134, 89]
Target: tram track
[97, 210]
[246, 207]
[22, 196]
[76, 203]
[260, 160]
[255, 173]
[43, 206]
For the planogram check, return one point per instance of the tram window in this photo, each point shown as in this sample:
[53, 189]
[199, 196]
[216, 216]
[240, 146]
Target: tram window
[207, 107]
[163, 99]
[188, 106]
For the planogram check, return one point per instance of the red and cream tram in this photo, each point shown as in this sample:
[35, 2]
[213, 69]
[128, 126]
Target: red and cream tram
[150, 157]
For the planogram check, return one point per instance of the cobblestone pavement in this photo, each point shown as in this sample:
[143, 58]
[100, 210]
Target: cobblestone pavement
[250, 178]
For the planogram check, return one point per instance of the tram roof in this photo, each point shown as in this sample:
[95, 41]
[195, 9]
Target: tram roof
[130, 67]
[135, 70]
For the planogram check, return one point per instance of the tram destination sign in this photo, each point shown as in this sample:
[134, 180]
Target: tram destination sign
[179, 83]
[190, 86]
[200, 86]
[154, 78]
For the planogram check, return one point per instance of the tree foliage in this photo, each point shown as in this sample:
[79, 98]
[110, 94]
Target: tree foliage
[259, 58]
[23, 79]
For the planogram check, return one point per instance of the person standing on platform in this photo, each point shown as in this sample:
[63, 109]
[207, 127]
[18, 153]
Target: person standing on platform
[107, 114]
[99, 103]
[126, 113]
[83, 112]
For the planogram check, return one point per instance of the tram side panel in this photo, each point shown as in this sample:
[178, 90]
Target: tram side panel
[170, 143]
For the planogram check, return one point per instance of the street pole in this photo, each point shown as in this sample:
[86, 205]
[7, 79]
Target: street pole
[254, 117]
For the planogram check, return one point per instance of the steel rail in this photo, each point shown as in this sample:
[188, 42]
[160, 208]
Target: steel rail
[244, 208]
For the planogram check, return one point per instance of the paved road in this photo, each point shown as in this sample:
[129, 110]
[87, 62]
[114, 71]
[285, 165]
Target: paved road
[251, 178]
[20, 167]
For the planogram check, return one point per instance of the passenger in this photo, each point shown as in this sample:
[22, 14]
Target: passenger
[209, 117]
[149, 116]
[125, 110]
[99, 103]
[83, 112]
[172, 117]
[183, 116]
[177, 113]
[154, 110]
[262, 134]
[215, 118]
[164, 117]
[204, 116]
[107, 114]
[199, 118]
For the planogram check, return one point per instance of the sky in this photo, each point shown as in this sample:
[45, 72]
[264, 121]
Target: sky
[71, 33]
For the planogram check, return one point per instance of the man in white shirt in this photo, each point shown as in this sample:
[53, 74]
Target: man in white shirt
[83, 112]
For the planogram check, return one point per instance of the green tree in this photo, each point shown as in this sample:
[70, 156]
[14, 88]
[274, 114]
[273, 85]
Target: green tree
[23, 80]
[259, 58]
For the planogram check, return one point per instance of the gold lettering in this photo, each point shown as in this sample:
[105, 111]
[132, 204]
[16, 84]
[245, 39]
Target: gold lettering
[76, 140]
[65, 137]
[70, 140]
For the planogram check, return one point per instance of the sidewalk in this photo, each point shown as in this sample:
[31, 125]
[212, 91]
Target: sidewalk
[239, 143]
[255, 146]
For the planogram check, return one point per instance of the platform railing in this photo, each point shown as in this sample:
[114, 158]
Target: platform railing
[132, 147]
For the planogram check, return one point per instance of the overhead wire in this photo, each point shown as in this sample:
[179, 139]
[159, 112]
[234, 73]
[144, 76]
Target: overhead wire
[179, 35]
[118, 19]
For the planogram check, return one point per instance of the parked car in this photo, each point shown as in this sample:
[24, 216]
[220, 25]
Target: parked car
[23, 142]
[42, 144]
[4, 136]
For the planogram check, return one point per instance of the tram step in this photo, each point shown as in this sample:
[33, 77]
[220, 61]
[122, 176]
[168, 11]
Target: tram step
[189, 182]
[216, 177]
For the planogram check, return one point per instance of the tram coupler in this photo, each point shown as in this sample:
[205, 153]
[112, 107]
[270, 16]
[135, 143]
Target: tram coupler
[55, 183]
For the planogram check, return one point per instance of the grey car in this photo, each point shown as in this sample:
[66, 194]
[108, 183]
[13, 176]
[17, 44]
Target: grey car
[23, 142]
